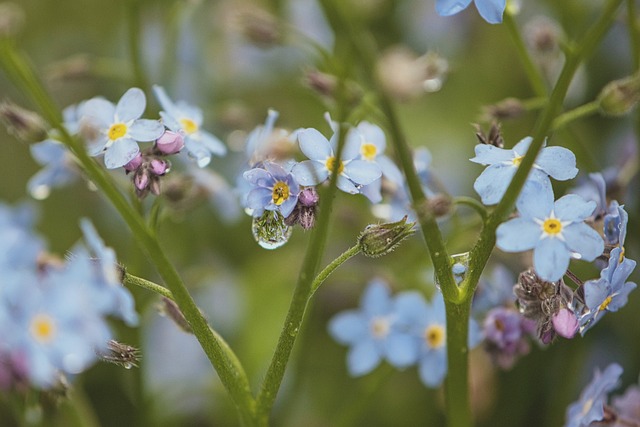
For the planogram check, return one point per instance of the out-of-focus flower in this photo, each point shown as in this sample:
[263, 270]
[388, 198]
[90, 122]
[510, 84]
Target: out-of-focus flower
[506, 334]
[557, 162]
[352, 172]
[590, 406]
[58, 168]
[494, 289]
[628, 406]
[273, 189]
[371, 332]
[187, 120]
[116, 128]
[490, 10]
[555, 231]
[615, 225]
[620, 96]
[25, 125]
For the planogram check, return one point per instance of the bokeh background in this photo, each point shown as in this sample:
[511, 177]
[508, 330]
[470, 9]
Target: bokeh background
[196, 49]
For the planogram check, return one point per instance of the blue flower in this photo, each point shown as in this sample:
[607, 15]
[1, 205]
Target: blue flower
[506, 334]
[615, 224]
[352, 173]
[116, 128]
[372, 332]
[370, 142]
[494, 291]
[594, 188]
[58, 169]
[273, 189]
[490, 10]
[590, 406]
[557, 162]
[610, 292]
[555, 231]
[427, 324]
[19, 246]
[187, 120]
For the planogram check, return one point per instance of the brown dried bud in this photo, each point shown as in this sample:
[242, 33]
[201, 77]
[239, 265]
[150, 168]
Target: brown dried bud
[120, 354]
[620, 96]
[509, 108]
[170, 309]
[260, 27]
[25, 125]
[494, 137]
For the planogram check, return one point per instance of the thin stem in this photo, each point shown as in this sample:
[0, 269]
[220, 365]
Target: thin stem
[473, 204]
[135, 54]
[131, 280]
[533, 74]
[633, 23]
[575, 279]
[575, 114]
[322, 276]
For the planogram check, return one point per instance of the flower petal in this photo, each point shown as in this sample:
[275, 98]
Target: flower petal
[493, 182]
[314, 145]
[349, 327]
[131, 105]
[491, 155]
[99, 112]
[517, 235]
[551, 259]
[258, 198]
[401, 350]
[362, 172]
[120, 153]
[376, 299]
[573, 208]
[389, 169]
[363, 358]
[146, 130]
[536, 200]
[211, 143]
[310, 172]
[450, 7]
[584, 240]
[433, 368]
[558, 162]
[491, 10]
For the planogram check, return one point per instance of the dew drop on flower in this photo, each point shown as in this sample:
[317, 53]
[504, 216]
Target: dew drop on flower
[270, 233]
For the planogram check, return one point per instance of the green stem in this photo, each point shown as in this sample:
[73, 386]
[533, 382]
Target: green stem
[222, 358]
[533, 74]
[473, 204]
[633, 22]
[131, 280]
[457, 384]
[322, 276]
[135, 54]
[575, 114]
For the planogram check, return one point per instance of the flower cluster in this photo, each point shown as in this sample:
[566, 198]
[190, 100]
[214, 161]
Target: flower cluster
[404, 330]
[53, 312]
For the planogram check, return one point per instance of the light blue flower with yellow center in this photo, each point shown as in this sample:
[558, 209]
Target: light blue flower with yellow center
[590, 407]
[273, 189]
[116, 128]
[352, 172]
[490, 10]
[555, 231]
[557, 162]
[187, 120]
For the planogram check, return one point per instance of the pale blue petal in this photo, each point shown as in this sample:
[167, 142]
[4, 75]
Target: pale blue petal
[438, 308]
[450, 7]
[490, 155]
[517, 235]
[314, 145]
[349, 327]
[584, 240]
[289, 205]
[188, 111]
[433, 368]
[211, 143]
[558, 162]
[401, 350]
[310, 172]
[354, 141]
[493, 182]
[165, 102]
[259, 177]
[131, 105]
[535, 201]
[363, 358]
[410, 308]
[621, 298]
[170, 122]
[551, 259]
[47, 151]
[120, 153]
[622, 271]
[595, 292]
[259, 198]
[522, 146]
[197, 151]
[573, 208]
[276, 171]
[146, 130]
[48, 178]
[373, 191]
[97, 147]
[376, 299]
[373, 134]
[100, 111]
[491, 10]
[362, 172]
[347, 186]
[389, 169]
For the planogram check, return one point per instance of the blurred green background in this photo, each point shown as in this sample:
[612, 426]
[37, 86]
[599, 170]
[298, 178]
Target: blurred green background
[196, 50]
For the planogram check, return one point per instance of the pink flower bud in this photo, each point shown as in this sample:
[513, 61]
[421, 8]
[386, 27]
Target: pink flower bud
[134, 163]
[308, 197]
[565, 323]
[158, 167]
[141, 180]
[170, 142]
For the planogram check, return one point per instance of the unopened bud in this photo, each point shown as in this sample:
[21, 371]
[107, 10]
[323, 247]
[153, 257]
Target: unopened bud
[509, 108]
[493, 137]
[620, 96]
[440, 205]
[380, 239]
[260, 27]
[158, 167]
[170, 142]
[134, 163]
[11, 19]
[323, 83]
[25, 125]
[141, 180]
[565, 323]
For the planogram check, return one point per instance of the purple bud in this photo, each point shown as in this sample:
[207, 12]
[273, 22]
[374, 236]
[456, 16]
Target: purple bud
[134, 163]
[170, 142]
[158, 167]
[565, 323]
[141, 180]
[308, 197]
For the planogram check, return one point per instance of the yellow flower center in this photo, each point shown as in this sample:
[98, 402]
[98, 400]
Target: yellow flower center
[380, 327]
[517, 160]
[605, 304]
[188, 125]
[43, 328]
[552, 226]
[434, 335]
[280, 193]
[368, 151]
[587, 406]
[621, 257]
[331, 164]
[117, 131]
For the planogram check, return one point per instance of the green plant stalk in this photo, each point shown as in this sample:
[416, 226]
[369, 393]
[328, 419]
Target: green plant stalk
[222, 358]
[333, 265]
[473, 204]
[457, 405]
[633, 23]
[303, 290]
[533, 74]
[135, 55]
[131, 280]
[577, 113]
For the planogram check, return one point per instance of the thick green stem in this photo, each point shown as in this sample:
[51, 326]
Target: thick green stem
[456, 387]
[222, 358]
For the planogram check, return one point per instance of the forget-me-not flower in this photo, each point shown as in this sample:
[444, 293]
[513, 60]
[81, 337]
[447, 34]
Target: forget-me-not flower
[555, 231]
[352, 172]
[610, 292]
[615, 224]
[557, 162]
[273, 189]
[490, 10]
[371, 332]
[116, 128]
[590, 406]
[57, 170]
[187, 120]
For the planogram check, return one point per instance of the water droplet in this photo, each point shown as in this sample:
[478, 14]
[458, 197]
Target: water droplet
[127, 365]
[270, 232]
